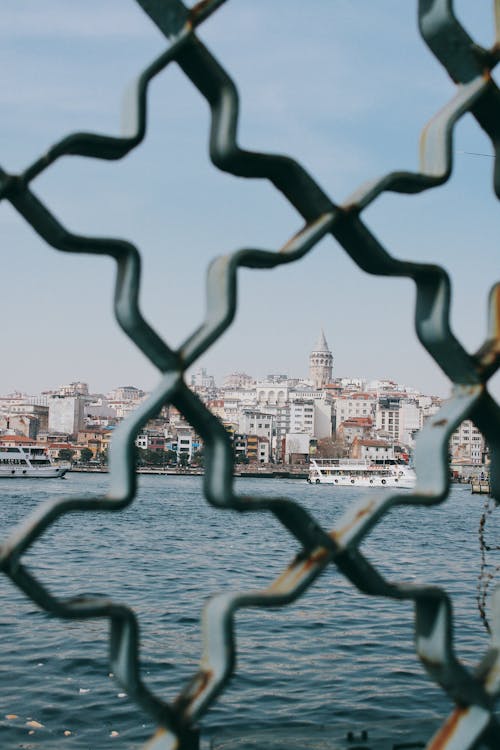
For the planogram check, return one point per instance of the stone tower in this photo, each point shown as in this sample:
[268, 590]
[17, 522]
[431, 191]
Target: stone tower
[320, 363]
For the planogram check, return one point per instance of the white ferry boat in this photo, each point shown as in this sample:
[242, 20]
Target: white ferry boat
[28, 461]
[346, 472]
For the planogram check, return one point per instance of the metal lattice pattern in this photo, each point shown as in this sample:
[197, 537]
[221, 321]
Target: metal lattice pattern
[470, 67]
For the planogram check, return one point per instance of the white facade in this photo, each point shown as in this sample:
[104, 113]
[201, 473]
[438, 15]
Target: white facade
[184, 442]
[253, 422]
[410, 422]
[98, 409]
[467, 443]
[272, 394]
[354, 406]
[66, 414]
[263, 452]
[302, 417]
[373, 450]
[296, 442]
[122, 408]
[313, 417]
[400, 418]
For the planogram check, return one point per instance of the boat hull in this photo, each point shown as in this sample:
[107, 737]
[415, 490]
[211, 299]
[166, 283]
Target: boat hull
[26, 472]
[405, 483]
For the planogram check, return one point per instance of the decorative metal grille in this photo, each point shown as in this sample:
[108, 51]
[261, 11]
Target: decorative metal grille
[469, 66]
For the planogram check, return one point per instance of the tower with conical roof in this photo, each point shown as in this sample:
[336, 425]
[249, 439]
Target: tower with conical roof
[320, 363]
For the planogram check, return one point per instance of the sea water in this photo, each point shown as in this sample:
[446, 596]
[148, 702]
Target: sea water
[333, 655]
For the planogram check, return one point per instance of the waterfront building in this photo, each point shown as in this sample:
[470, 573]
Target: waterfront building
[366, 449]
[20, 424]
[263, 450]
[296, 448]
[184, 443]
[151, 440]
[96, 440]
[320, 363]
[281, 427]
[252, 448]
[240, 443]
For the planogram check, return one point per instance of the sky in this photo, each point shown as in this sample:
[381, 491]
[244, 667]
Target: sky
[343, 86]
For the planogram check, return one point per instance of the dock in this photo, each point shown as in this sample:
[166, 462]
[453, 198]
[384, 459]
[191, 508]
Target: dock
[480, 488]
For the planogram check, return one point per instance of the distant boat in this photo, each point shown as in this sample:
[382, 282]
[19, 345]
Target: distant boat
[28, 461]
[346, 472]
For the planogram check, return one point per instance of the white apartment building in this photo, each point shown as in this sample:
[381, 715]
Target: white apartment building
[410, 422]
[302, 416]
[255, 422]
[313, 417]
[354, 405]
[467, 443]
[400, 418]
[66, 414]
[184, 442]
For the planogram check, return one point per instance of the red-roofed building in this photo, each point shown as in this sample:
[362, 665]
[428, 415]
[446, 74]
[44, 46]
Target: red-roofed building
[355, 427]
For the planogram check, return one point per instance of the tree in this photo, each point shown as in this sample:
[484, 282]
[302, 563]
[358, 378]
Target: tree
[86, 455]
[329, 448]
[240, 458]
[153, 458]
[183, 459]
[198, 458]
[65, 454]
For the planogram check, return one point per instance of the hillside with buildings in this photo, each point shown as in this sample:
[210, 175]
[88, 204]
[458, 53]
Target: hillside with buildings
[277, 420]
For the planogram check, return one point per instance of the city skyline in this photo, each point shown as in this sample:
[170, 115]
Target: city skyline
[262, 376]
[300, 96]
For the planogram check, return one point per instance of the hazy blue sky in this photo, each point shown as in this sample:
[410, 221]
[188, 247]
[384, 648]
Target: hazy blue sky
[344, 86]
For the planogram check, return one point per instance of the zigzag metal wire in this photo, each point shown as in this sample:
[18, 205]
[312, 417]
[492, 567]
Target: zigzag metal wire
[433, 608]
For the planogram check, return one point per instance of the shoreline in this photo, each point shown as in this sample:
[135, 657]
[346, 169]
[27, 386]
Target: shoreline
[267, 473]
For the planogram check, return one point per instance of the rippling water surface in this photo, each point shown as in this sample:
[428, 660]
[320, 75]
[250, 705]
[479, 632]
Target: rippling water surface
[332, 655]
